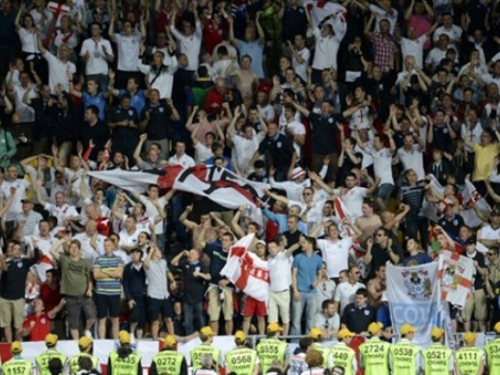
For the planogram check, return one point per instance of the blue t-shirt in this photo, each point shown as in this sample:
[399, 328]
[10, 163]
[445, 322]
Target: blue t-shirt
[255, 50]
[420, 258]
[98, 100]
[307, 271]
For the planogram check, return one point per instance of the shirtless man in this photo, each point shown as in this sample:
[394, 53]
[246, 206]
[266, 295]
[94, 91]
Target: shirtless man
[246, 80]
[369, 222]
[205, 227]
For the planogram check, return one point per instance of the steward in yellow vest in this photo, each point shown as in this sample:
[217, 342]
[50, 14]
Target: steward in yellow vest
[124, 361]
[42, 360]
[17, 365]
[316, 335]
[493, 352]
[85, 346]
[405, 357]
[272, 350]
[242, 360]
[438, 359]
[342, 355]
[470, 360]
[375, 352]
[169, 360]
[207, 338]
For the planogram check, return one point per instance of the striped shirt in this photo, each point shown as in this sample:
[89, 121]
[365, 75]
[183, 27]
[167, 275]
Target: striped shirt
[110, 285]
[413, 196]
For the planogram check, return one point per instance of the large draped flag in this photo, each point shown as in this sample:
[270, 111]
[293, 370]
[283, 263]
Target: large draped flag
[218, 184]
[246, 271]
[414, 298]
[455, 273]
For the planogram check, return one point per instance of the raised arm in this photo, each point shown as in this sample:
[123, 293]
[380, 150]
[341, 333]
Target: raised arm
[138, 149]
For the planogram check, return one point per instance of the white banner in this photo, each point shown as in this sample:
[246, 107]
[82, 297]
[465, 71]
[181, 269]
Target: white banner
[413, 295]
[455, 273]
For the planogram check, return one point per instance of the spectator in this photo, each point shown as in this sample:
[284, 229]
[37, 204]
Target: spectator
[346, 290]
[328, 320]
[358, 315]
[13, 278]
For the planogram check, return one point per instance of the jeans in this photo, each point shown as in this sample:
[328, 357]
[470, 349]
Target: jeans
[307, 300]
[385, 191]
[193, 312]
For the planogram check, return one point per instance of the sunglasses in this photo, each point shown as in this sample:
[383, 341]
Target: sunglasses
[491, 254]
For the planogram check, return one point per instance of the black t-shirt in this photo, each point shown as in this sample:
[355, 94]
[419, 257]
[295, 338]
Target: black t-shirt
[279, 148]
[381, 256]
[218, 259]
[13, 281]
[358, 319]
[99, 133]
[159, 126]
[119, 114]
[453, 225]
[194, 287]
[476, 276]
[324, 133]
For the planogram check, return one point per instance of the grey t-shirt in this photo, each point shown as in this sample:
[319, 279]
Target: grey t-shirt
[156, 275]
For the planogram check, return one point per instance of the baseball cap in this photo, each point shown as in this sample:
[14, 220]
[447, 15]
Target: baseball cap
[16, 347]
[170, 341]
[84, 342]
[124, 337]
[260, 242]
[240, 336]
[26, 200]
[274, 327]
[375, 327]
[344, 332]
[470, 337]
[315, 333]
[437, 332]
[495, 212]
[51, 339]
[496, 328]
[207, 331]
[406, 328]
[297, 172]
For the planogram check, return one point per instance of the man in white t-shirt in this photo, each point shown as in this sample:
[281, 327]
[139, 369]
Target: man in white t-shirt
[345, 292]
[280, 278]
[454, 32]
[180, 157]
[411, 155]
[294, 129]
[97, 53]
[59, 66]
[21, 185]
[91, 242]
[128, 44]
[352, 196]
[189, 41]
[413, 45]
[300, 56]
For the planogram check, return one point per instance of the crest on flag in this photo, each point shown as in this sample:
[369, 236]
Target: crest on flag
[418, 284]
[455, 275]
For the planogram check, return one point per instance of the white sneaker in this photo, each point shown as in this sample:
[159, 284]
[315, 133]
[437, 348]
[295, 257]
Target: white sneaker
[87, 333]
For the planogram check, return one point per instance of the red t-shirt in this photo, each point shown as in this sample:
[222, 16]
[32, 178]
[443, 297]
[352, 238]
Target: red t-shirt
[41, 327]
[211, 36]
[50, 297]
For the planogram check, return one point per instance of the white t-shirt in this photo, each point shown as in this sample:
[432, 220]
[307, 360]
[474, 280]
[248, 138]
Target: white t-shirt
[202, 152]
[455, 33]
[412, 159]
[381, 14]
[97, 63]
[344, 294]
[296, 128]
[382, 165]
[88, 252]
[471, 135]
[152, 211]
[190, 45]
[127, 240]
[16, 206]
[28, 41]
[335, 254]
[63, 212]
[301, 69]
[280, 272]
[58, 72]
[244, 149]
[414, 48]
[185, 160]
[128, 51]
[353, 200]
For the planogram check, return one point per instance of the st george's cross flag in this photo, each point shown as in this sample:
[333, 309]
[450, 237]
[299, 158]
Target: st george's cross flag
[455, 275]
[247, 271]
[218, 184]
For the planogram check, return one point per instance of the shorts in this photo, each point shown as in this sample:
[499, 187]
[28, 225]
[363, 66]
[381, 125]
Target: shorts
[254, 307]
[138, 313]
[160, 307]
[12, 312]
[279, 304]
[107, 306]
[75, 305]
[215, 304]
[475, 306]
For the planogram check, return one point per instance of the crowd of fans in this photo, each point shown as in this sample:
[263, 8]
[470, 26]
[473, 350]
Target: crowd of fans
[361, 105]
